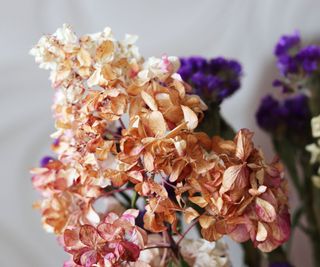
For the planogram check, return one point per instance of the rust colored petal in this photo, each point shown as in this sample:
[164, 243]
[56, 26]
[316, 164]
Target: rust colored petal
[156, 123]
[149, 100]
[210, 233]
[88, 235]
[240, 233]
[200, 201]
[230, 176]
[131, 251]
[71, 237]
[265, 210]
[153, 223]
[244, 144]
[104, 50]
[190, 214]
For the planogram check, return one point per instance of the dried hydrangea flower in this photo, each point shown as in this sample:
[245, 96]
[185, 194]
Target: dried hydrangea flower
[113, 241]
[101, 83]
[242, 195]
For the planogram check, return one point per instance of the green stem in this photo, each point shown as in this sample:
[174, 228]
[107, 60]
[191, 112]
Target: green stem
[277, 256]
[314, 100]
[214, 124]
[287, 152]
[211, 121]
[134, 200]
[311, 204]
[252, 257]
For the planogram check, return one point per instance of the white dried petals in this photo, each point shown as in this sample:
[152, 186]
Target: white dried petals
[158, 67]
[199, 252]
[314, 149]
[66, 35]
[315, 125]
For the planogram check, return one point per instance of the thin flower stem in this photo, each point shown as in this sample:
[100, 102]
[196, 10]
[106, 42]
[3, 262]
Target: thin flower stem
[115, 135]
[188, 230]
[122, 124]
[165, 252]
[167, 183]
[119, 190]
[158, 246]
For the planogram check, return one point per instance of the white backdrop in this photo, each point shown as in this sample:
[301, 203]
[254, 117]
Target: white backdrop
[245, 30]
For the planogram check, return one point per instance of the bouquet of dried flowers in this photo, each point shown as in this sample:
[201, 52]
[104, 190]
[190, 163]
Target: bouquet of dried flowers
[141, 160]
[296, 140]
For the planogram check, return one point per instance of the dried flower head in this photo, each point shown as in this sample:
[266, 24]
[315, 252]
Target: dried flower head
[214, 79]
[128, 125]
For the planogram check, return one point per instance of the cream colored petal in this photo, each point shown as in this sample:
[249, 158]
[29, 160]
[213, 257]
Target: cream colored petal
[190, 117]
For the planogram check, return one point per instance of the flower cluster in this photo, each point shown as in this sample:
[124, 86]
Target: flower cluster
[293, 59]
[128, 124]
[314, 149]
[242, 195]
[214, 79]
[290, 116]
[288, 122]
[199, 252]
[113, 241]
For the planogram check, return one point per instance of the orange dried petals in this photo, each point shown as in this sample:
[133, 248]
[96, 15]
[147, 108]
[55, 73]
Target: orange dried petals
[100, 84]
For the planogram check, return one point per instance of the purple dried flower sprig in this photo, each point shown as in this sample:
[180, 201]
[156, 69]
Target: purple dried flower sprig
[295, 59]
[290, 116]
[214, 79]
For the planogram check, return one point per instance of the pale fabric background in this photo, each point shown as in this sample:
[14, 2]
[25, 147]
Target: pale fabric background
[246, 30]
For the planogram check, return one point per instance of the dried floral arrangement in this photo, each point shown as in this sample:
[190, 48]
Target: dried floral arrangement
[293, 122]
[141, 160]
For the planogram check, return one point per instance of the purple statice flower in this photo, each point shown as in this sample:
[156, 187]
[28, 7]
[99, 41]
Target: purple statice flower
[292, 114]
[270, 113]
[213, 79]
[192, 65]
[285, 51]
[293, 59]
[287, 45]
[297, 113]
[309, 58]
[283, 85]
[45, 160]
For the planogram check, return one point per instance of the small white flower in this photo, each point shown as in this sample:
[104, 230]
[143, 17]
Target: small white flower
[315, 125]
[316, 180]
[315, 152]
[160, 68]
[65, 35]
[202, 253]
